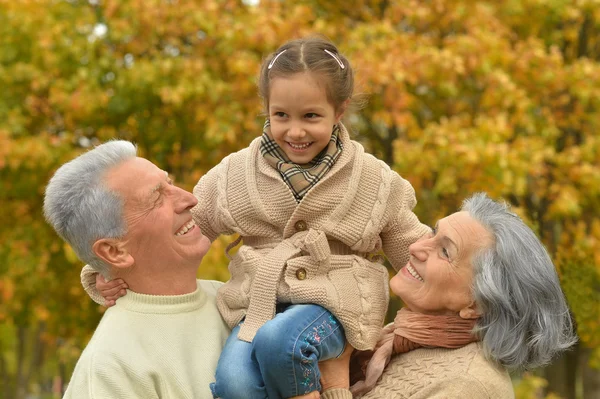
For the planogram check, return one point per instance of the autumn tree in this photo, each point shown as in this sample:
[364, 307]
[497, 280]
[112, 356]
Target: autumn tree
[464, 96]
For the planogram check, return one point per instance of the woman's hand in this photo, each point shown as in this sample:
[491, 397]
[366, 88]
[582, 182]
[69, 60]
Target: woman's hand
[335, 373]
[110, 290]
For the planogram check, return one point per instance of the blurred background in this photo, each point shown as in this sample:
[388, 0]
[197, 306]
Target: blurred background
[500, 96]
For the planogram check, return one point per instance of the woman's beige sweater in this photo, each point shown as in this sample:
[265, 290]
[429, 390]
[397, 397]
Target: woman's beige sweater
[322, 250]
[462, 373]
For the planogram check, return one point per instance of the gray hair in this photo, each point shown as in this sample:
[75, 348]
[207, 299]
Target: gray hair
[80, 207]
[525, 318]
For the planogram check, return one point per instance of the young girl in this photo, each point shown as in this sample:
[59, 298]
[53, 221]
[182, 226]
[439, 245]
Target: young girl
[313, 211]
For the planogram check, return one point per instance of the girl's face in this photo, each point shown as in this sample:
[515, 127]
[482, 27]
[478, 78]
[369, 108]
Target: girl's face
[302, 118]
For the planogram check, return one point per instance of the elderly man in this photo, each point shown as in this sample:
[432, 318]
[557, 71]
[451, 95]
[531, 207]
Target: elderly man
[123, 216]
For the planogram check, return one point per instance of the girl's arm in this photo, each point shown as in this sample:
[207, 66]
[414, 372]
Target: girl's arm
[211, 212]
[403, 227]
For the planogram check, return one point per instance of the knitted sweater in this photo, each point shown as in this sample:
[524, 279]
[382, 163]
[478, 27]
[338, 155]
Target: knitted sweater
[149, 346]
[321, 250]
[462, 373]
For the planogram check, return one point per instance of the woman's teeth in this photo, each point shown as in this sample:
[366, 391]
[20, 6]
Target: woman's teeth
[414, 273]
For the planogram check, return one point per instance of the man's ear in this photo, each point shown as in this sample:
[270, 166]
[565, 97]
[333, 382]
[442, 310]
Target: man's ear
[113, 252]
[470, 312]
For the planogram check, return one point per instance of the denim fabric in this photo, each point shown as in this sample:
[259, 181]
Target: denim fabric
[282, 361]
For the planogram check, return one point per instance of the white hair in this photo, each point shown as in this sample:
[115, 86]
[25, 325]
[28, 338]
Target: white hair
[525, 318]
[81, 208]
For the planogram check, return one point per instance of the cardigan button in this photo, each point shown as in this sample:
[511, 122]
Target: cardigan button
[300, 225]
[301, 274]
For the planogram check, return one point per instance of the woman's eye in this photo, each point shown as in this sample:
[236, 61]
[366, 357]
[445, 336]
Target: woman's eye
[445, 252]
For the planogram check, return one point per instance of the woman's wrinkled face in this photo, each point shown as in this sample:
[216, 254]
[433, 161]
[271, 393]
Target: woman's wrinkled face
[438, 276]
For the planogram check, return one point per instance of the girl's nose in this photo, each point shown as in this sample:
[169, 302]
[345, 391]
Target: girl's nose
[296, 132]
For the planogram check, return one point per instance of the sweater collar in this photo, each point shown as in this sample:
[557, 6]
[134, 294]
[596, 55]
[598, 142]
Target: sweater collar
[163, 304]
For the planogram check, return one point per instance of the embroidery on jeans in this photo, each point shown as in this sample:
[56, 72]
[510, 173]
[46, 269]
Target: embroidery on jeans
[313, 337]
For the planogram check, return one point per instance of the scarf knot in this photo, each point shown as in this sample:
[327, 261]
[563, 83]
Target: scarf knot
[300, 178]
[408, 332]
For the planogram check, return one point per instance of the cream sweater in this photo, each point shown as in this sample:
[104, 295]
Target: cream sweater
[149, 346]
[321, 250]
[462, 373]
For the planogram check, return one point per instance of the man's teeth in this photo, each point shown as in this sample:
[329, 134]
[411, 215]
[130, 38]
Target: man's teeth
[187, 227]
[299, 146]
[414, 273]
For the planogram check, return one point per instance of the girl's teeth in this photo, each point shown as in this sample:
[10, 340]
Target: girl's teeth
[299, 146]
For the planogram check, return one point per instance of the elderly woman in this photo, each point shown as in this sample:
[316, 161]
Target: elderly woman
[482, 298]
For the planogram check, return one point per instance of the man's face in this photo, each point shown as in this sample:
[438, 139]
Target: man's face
[161, 233]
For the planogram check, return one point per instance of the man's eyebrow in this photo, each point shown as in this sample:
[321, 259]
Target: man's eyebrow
[158, 186]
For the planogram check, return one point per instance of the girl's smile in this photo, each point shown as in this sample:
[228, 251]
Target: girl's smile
[302, 118]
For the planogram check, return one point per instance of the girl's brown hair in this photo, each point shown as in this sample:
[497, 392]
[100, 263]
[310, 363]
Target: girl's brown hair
[313, 54]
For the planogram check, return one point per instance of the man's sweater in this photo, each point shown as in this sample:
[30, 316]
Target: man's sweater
[149, 346]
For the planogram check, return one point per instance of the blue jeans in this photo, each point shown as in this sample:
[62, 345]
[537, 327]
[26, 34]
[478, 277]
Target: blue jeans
[281, 361]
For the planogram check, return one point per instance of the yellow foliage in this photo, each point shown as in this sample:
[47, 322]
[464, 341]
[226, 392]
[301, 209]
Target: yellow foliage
[464, 96]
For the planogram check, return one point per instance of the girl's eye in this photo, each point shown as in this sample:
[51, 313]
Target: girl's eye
[311, 115]
[280, 114]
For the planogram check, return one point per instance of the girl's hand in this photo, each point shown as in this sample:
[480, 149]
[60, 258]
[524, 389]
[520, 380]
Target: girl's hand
[110, 290]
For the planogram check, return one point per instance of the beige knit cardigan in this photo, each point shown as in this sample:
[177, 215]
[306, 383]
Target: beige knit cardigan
[321, 250]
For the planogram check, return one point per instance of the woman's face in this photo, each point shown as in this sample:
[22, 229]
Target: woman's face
[438, 276]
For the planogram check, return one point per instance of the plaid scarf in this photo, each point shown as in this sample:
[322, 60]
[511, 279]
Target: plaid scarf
[300, 178]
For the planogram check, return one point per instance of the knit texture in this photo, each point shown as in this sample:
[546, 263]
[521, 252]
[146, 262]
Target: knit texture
[462, 373]
[357, 209]
[409, 331]
[149, 346]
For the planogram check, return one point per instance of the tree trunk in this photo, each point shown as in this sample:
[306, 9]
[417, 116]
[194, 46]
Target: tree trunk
[561, 375]
[590, 376]
[21, 356]
[5, 378]
[36, 356]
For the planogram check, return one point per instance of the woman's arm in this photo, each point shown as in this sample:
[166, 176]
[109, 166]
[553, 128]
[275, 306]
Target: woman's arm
[335, 376]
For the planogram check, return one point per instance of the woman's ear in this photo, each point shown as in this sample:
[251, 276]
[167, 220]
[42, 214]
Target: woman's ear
[113, 252]
[470, 312]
